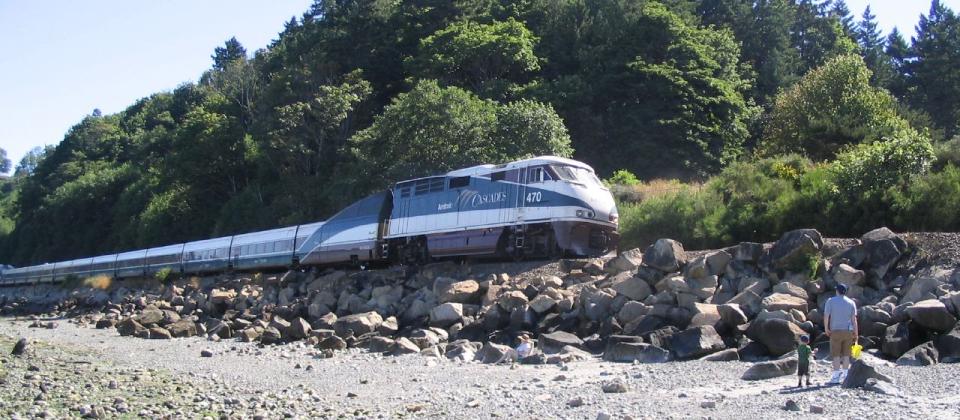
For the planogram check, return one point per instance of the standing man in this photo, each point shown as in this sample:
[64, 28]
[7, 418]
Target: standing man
[840, 323]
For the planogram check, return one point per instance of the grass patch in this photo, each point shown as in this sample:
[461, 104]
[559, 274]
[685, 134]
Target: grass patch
[100, 281]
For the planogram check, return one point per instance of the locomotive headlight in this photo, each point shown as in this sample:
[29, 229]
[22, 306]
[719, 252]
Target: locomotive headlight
[614, 218]
[579, 213]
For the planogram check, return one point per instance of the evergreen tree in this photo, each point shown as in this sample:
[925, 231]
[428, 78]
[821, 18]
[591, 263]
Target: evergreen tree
[231, 51]
[934, 81]
[872, 49]
[4, 162]
[897, 52]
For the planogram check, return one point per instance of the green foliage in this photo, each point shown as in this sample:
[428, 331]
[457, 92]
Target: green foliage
[622, 177]
[867, 169]
[931, 69]
[930, 203]
[163, 275]
[433, 129]
[4, 162]
[829, 108]
[486, 58]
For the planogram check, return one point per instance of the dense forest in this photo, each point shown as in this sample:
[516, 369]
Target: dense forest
[762, 115]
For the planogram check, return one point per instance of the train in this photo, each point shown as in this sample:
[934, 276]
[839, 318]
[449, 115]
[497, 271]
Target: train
[544, 206]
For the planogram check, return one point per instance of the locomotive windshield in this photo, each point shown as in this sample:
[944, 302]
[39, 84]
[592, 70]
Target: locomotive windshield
[577, 175]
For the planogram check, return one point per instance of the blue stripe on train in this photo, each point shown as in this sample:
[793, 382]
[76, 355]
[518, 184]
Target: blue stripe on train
[482, 194]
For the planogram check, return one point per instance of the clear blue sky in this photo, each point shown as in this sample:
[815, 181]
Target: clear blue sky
[60, 60]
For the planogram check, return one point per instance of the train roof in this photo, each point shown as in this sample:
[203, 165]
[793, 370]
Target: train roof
[488, 168]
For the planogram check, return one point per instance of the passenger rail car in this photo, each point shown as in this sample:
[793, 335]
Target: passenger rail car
[544, 206]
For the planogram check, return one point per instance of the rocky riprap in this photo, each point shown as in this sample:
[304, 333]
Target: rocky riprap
[747, 302]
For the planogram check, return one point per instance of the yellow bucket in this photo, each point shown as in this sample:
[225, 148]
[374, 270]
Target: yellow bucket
[855, 350]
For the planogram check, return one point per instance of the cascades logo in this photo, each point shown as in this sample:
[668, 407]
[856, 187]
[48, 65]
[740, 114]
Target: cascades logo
[475, 199]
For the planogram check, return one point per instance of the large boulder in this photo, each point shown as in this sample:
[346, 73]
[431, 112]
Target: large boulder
[129, 326]
[554, 342]
[779, 336]
[704, 314]
[728, 355]
[358, 324]
[512, 300]
[466, 291]
[404, 346]
[795, 249]
[696, 342]
[160, 333]
[791, 290]
[896, 340]
[771, 369]
[948, 346]
[542, 303]
[849, 276]
[665, 255]
[629, 352]
[923, 355]
[183, 328]
[881, 256]
[933, 315]
[860, 372]
[626, 261]
[630, 311]
[632, 287]
[446, 314]
[298, 330]
[462, 350]
[921, 285]
[784, 302]
[149, 316]
[495, 353]
[749, 302]
[731, 314]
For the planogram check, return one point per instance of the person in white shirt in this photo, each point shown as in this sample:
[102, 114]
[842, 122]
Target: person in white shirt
[840, 324]
[525, 348]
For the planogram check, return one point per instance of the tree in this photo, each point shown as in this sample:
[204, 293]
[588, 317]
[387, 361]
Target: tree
[897, 52]
[934, 81]
[842, 13]
[831, 107]
[30, 161]
[872, 49]
[433, 129]
[486, 58]
[231, 51]
[4, 162]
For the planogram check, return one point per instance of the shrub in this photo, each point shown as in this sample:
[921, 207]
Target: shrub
[163, 275]
[931, 202]
[622, 177]
[682, 215]
[100, 281]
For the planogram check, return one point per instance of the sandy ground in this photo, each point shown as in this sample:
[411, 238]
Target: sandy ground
[72, 371]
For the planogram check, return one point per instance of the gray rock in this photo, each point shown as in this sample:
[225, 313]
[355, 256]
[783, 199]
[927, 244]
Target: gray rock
[626, 261]
[129, 326]
[791, 405]
[635, 352]
[379, 344]
[704, 314]
[790, 289]
[495, 353]
[462, 350]
[859, 373]
[630, 311]
[632, 287]
[542, 303]
[896, 340]
[882, 255]
[615, 386]
[749, 251]
[333, 342]
[748, 301]
[731, 315]
[665, 255]
[554, 342]
[777, 335]
[771, 369]
[780, 301]
[923, 355]
[948, 346]
[270, 335]
[849, 276]
[696, 342]
[160, 333]
[923, 283]
[795, 249]
[446, 314]
[932, 314]
[183, 328]
[151, 315]
[467, 291]
[20, 347]
[298, 330]
[206, 353]
[723, 356]
[359, 324]
[512, 300]
[404, 346]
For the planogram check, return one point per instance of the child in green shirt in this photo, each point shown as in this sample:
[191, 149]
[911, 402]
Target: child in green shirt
[803, 357]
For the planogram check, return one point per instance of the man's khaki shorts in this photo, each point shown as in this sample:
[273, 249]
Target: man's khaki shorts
[840, 343]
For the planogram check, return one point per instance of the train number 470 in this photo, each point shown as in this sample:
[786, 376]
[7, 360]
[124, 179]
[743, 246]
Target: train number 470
[534, 197]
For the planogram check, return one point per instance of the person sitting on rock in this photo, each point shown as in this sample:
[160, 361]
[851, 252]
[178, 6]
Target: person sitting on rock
[525, 348]
[840, 324]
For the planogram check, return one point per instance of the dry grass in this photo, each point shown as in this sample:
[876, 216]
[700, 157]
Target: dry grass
[100, 281]
[654, 188]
